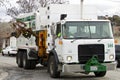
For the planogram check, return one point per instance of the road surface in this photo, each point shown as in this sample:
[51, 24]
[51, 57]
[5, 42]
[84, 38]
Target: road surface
[10, 71]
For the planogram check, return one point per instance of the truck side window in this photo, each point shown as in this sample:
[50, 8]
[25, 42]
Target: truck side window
[58, 30]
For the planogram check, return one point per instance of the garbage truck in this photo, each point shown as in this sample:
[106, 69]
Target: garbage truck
[56, 37]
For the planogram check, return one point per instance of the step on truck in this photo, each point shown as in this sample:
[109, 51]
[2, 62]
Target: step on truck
[58, 39]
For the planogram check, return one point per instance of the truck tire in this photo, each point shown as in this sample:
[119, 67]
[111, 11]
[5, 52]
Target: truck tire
[28, 64]
[118, 62]
[100, 74]
[53, 68]
[19, 59]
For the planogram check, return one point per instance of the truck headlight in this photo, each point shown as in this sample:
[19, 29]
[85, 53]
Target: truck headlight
[69, 58]
[111, 57]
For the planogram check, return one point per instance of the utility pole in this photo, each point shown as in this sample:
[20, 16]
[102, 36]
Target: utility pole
[81, 11]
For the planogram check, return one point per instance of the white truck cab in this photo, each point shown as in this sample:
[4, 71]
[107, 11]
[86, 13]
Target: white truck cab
[83, 39]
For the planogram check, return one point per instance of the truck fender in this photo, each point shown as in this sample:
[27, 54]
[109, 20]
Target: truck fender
[53, 52]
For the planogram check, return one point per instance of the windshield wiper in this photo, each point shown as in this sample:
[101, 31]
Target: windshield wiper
[76, 38]
[104, 38]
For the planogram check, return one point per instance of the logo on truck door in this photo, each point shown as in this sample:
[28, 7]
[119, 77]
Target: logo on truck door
[110, 45]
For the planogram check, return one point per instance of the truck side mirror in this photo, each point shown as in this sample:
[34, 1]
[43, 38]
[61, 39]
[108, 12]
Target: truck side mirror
[63, 16]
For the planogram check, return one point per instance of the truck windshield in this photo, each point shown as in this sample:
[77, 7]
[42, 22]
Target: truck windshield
[87, 30]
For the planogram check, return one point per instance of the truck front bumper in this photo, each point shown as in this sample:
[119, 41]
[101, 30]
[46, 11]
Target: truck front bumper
[79, 67]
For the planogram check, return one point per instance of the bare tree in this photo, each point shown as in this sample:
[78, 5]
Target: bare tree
[4, 3]
[44, 3]
[26, 6]
[12, 12]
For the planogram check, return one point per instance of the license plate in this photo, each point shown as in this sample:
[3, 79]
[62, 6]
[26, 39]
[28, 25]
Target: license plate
[93, 68]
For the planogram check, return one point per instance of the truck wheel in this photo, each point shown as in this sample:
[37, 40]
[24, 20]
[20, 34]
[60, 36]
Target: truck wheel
[28, 64]
[19, 59]
[100, 74]
[53, 67]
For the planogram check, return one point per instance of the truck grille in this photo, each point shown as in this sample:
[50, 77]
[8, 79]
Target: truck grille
[85, 52]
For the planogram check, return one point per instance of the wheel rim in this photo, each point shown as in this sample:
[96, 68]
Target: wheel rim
[51, 67]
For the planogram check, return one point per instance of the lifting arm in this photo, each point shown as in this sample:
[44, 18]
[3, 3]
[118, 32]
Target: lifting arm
[20, 29]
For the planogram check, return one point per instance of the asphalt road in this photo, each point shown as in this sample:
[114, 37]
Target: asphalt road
[10, 71]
